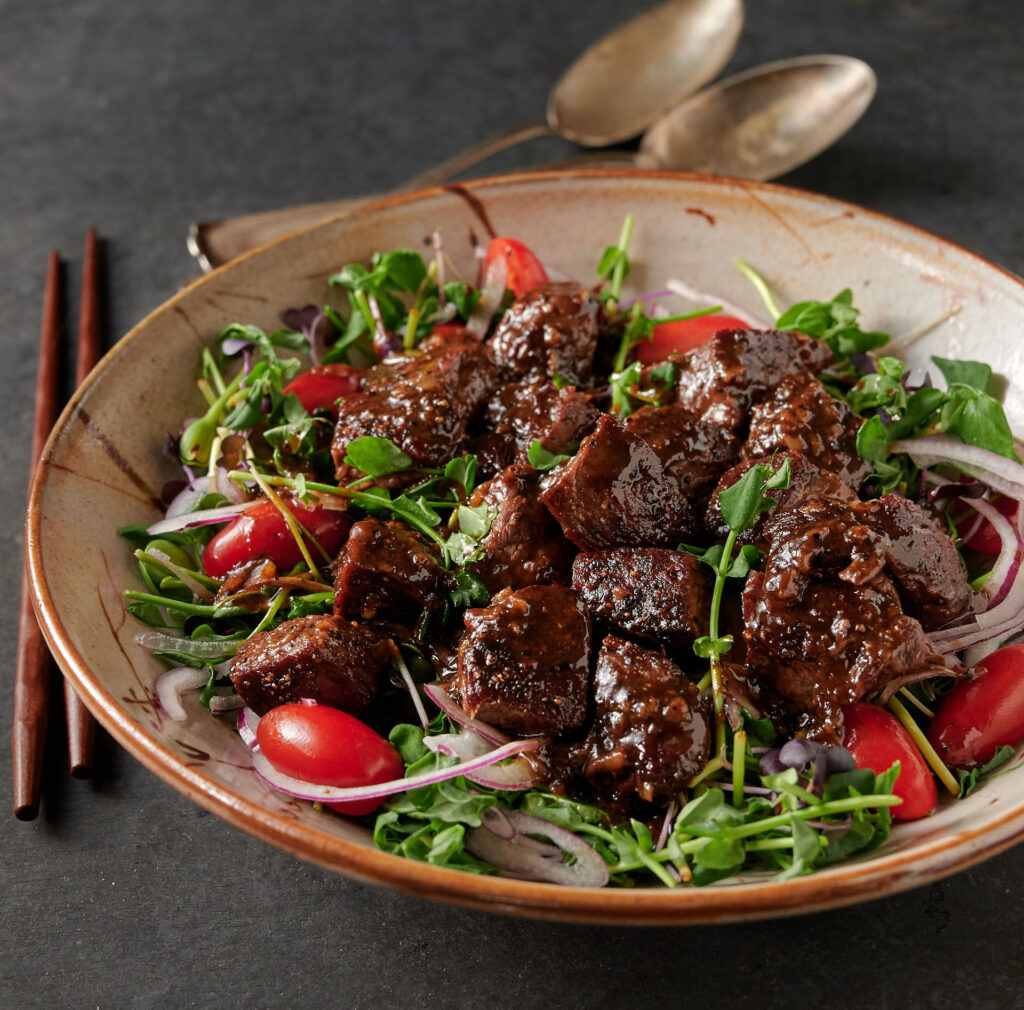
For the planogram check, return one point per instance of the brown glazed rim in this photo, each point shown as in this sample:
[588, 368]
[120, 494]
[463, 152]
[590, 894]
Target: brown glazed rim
[842, 885]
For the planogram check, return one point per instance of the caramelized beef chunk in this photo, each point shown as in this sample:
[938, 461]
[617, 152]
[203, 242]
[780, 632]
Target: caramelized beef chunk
[385, 571]
[807, 480]
[523, 412]
[720, 380]
[333, 661]
[651, 731]
[524, 661]
[422, 401]
[647, 592]
[800, 416]
[693, 453]
[524, 546]
[614, 493]
[547, 332]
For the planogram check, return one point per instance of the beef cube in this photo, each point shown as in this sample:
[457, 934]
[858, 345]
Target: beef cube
[423, 402]
[720, 380]
[386, 572]
[614, 493]
[547, 332]
[651, 731]
[333, 661]
[520, 413]
[693, 452]
[524, 545]
[800, 416]
[807, 480]
[647, 592]
[524, 661]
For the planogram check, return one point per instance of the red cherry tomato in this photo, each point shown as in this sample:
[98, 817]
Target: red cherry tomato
[683, 335]
[877, 739]
[523, 271]
[323, 385]
[261, 532]
[328, 747]
[984, 539]
[985, 713]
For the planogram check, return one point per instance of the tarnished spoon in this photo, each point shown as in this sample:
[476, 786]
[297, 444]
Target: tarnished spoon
[764, 122]
[612, 92]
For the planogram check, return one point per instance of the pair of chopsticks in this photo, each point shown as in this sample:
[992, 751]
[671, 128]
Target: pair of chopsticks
[32, 677]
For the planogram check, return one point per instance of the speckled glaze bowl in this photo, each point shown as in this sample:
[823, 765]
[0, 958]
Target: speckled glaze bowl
[103, 468]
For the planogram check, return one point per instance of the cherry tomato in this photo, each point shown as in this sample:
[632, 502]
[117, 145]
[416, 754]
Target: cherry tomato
[261, 532]
[523, 271]
[984, 539]
[877, 739]
[980, 715]
[328, 747]
[323, 385]
[683, 335]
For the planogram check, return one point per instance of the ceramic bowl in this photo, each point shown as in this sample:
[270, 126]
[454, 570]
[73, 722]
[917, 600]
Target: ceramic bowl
[103, 468]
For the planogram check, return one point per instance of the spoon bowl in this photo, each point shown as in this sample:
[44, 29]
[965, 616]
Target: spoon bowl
[764, 122]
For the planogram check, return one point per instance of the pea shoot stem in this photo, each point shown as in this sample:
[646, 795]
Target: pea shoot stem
[927, 750]
[760, 285]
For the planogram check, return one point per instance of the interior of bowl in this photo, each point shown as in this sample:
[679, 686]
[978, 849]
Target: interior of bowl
[104, 468]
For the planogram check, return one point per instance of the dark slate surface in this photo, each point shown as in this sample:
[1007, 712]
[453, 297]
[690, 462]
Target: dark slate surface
[141, 117]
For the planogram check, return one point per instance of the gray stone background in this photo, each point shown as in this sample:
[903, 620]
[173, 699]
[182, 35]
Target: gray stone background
[142, 117]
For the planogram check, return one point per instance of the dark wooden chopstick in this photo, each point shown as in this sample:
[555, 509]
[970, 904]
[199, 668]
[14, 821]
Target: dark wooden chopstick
[81, 727]
[32, 673]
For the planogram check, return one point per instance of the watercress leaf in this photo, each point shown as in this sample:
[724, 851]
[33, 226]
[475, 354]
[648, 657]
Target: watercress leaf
[975, 374]
[873, 440]
[416, 509]
[711, 556]
[981, 421]
[742, 503]
[969, 779]
[376, 456]
[842, 785]
[463, 297]
[462, 549]
[463, 470]
[721, 854]
[541, 459]
[291, 339]
[468, 590]
[404, 268]
[474, 521]
[740, 565]
[700, 811]
[806, 843]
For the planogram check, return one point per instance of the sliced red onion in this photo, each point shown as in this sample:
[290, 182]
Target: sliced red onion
[1002, 474]
[221, 703]
[172, 684]
[666, 827]
[492, 290]
[222, 514]
[331, 794]
[515, 775]
[199, 649]
[684, 290]
[224, 485]
[521, 856]
[1008, 561]
[189, 497]
[435, 241]
[233, 345]
[248, 723]
[410, 686]
[443, 700]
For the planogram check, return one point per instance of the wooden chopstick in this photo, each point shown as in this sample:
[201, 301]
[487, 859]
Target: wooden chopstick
[81, 727]
[32, 673]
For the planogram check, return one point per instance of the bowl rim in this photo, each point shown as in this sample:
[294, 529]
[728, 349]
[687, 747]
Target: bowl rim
[872, 877]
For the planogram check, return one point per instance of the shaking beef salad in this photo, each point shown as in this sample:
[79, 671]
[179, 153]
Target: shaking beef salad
[549, 583]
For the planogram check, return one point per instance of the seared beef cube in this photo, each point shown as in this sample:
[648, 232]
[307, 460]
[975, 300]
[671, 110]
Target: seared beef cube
[807, 480]
[614, 493]
[547, 332]
[332, 661]
[693, 452]
[651, 731]
[421, 401]
[520, 413]
[647, 592]
[524, 661]
[386, 572]
[720, 380]
[800, 416]
[524, 546]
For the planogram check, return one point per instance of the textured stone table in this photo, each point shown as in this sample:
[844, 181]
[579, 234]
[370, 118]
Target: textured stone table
[143, 117]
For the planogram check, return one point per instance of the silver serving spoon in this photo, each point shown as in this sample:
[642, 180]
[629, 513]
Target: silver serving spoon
[612, 92]
[756, 125]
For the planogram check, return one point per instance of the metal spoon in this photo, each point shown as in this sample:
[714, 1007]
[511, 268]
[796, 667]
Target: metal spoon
[756, 125]
[612, 92]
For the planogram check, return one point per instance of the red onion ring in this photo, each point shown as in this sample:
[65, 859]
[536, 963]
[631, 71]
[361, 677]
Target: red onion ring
[440, 697]
[174, 524]
[200, 649]
[172, 684]
[1002, 474]
[513, 776]
[248, 723]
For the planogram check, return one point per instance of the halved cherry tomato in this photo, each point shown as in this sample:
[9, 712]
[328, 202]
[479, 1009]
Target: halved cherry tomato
[324, 385]
[683, 335]
[523, 271]
[984, 539]
[877, 739]
[980, 715]
[261, 532]
[328, 747]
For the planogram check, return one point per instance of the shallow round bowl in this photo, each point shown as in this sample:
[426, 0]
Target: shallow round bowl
[103, 468]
